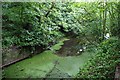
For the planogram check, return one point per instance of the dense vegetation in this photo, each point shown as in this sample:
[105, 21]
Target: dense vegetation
[104, 63]
[32, 24]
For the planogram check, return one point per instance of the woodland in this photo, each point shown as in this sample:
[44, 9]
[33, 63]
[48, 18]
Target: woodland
[60, 39]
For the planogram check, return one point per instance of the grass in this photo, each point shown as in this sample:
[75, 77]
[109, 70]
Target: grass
[39, 65]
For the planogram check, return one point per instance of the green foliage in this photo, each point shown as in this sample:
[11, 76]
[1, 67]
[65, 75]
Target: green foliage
[26, 25]
[39, 24]
[104, 63]
[31, 23]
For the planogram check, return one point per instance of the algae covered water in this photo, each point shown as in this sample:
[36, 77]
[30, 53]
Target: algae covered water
[49, 64]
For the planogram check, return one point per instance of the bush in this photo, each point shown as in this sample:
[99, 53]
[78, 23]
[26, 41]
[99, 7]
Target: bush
[104, 63]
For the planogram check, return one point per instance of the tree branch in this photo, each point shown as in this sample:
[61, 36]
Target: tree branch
[49, 9]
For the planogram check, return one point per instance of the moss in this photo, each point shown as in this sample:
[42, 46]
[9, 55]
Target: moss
[59, 45]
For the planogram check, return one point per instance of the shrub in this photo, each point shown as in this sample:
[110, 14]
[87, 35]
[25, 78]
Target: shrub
[104, 63]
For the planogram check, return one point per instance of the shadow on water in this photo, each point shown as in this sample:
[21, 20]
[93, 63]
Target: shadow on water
[72, 47]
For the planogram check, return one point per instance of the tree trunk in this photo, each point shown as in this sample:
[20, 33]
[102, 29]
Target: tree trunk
[104, 19]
